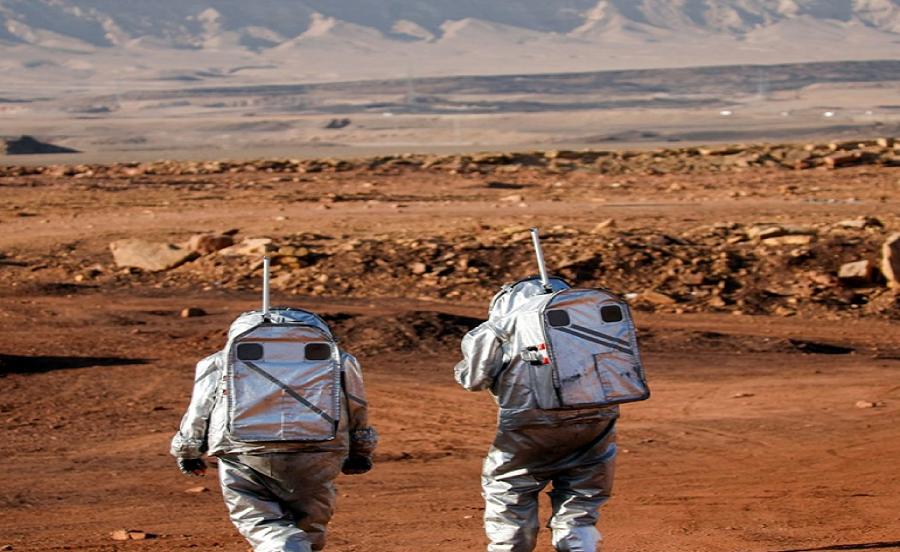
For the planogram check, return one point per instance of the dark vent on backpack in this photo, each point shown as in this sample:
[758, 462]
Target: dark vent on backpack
[318, 351]
[611, 313]
[249, 351]
[558, 318]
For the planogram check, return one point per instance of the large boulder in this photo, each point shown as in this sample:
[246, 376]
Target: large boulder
[153, 257]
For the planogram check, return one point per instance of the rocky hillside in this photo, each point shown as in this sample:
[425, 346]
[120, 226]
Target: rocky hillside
[268, 23]
[224, 40]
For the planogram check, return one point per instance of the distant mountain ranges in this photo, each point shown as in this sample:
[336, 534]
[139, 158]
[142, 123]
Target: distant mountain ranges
[320, 40]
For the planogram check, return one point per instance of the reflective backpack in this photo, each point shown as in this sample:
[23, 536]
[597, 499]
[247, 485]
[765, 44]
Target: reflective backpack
[283, 378]
[581, 345]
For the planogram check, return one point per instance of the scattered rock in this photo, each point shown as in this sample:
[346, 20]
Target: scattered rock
[765, 232]
[249, 247]
[604, 226]
[795, 239]
[418, 268]
[204, 244]
[196, 490]
[154, 257]
[865, 404]
[823, 279]
[858, 273]
[657, 298]
[861, 223]
[129, 534]
[843, 159]
[192, 312]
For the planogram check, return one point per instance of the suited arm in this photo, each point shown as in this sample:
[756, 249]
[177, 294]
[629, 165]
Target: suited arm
[363, 437]
[482, 350]
[191, 440]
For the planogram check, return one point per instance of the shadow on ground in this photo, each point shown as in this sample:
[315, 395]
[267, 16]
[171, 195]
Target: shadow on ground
[16, 364]
[862, 546]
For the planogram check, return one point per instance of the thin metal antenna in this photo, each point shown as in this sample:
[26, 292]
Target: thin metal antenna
[545, 280]
[265, 304]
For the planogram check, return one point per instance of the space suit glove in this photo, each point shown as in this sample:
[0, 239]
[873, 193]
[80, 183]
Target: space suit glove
[195, 467]
[356, 465]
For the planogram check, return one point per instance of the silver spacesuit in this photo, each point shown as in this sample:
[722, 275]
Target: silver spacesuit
[573, 449]
[279, 493]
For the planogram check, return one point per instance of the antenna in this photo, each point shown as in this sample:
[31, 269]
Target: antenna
[540, 259]
[265, 304]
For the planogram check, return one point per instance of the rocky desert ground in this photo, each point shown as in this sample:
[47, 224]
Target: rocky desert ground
[761, 277]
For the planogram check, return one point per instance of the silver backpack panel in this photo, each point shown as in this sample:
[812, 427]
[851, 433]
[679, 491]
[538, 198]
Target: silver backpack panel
[283, 384]
[591, 354]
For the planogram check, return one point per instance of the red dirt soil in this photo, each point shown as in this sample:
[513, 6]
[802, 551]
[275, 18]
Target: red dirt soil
[763, 434]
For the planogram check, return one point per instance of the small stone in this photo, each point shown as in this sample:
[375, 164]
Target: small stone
[196, 490]
[859, 273]
[657, 298]
[860, 223]
[693, 279]
[192, 312]
[765, 232]
[249, 247]
[129, 534]
[865, 404]
[788, 240]
[742, 395]
[513, 198]
[418, 268]
[604, 225]
[842, 159]
[820, 278]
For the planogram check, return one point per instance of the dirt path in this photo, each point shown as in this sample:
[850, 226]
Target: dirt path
[737, 451]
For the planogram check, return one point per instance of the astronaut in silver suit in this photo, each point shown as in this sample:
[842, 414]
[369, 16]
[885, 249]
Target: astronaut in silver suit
[572, 450]
[280, 495]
